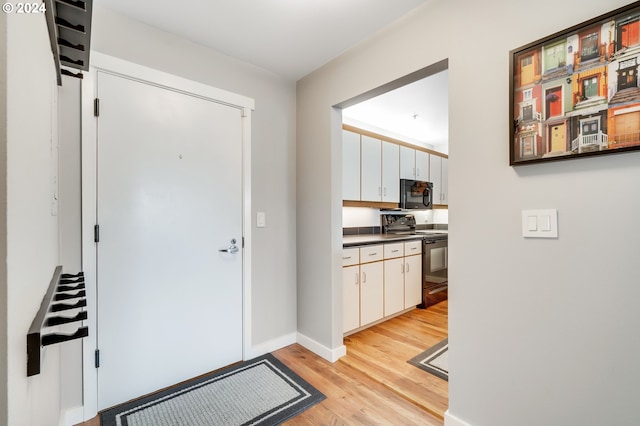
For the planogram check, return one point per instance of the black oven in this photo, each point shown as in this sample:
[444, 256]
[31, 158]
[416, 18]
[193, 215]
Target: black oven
[435, 259]
[416, 194]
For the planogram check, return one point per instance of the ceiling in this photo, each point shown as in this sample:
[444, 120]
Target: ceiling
[288, 37]
[417, 113]
[292, 38]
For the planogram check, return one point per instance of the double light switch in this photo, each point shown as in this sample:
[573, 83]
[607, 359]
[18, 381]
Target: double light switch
[540, 223]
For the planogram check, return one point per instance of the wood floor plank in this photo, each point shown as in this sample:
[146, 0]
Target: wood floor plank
[353, 398]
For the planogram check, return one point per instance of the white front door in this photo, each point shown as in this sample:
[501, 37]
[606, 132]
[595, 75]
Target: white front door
[169, 198]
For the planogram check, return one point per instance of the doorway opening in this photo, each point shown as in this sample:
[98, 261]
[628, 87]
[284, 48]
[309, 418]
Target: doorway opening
[396, 131]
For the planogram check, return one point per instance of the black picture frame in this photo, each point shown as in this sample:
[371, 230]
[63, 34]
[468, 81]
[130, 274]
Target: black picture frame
[576, 93]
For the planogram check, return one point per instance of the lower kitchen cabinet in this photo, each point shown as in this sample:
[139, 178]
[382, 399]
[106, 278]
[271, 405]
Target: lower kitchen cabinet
[412, 281]
[393, 278]
[351, 297]
[380, 281]
[371, 292]
[393, 286]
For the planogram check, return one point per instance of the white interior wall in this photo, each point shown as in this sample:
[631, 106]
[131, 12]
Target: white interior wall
[3, 219]
[69, 196]
[32, 230]
[541, 331]
[272, 151]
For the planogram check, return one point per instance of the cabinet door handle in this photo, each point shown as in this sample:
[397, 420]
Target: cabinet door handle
[380, 190]
[364, 277]
[407, 267]
[356, 278]
[385, 191]
[418, 172]
[401, 268]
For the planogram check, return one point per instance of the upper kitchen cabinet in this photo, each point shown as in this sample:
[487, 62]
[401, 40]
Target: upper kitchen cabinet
[438, 174]
[414, 164]
[350, 165]
[379, 173]
[390, 173]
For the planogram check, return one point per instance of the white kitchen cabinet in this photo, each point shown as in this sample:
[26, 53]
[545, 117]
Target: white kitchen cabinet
[371, 292]
[412, 281]
[350, 288]
[390, 172]
[438, 170]
[407, 163]
[393, 278]
[350, 165]
[422, 165]
[371, 171]
[379, 173]
[393, 286]
[445, 181]
[350, 297]
[414, 164]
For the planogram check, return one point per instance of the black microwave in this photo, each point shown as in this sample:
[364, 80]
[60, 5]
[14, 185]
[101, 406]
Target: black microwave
[416, 194]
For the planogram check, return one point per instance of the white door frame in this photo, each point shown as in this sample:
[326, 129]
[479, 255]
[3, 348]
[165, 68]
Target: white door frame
[105, 63]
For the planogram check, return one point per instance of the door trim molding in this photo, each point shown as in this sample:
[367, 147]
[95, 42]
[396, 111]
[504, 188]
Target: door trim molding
[126, 69]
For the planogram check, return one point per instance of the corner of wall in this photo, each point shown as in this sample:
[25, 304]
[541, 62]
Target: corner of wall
[451, 420]
[3, 219]
[331, 355]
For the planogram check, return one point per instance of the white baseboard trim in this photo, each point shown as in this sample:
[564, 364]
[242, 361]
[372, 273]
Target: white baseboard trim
[451, 420]
[72, 416]
[270, 346]
[331, 355]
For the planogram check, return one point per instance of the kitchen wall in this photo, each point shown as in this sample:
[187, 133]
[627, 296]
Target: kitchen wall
[364, 216]
[29, 230]
[542, 332]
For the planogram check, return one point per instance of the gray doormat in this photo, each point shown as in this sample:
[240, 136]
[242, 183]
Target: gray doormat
[262, 391]
[434, 360]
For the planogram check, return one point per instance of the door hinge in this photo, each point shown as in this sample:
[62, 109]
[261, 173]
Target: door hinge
[96, 234]
[96, 107]
[242, 242]
[97, 358]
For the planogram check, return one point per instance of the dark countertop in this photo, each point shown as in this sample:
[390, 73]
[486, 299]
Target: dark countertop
[370, 239]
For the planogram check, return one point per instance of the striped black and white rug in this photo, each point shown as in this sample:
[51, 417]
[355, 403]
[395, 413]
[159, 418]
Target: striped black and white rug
[262, 391]
[434, 360]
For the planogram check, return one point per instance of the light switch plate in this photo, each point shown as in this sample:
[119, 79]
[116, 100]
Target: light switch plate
[261, 220]
[540, 223]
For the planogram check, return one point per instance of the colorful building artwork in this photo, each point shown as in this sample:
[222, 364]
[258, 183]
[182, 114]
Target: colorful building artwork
[580, 92]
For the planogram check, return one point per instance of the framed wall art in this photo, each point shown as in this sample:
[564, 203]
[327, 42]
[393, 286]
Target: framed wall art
[576, 93]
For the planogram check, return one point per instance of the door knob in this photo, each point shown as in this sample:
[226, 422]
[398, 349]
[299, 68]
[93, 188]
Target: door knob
[233, 248]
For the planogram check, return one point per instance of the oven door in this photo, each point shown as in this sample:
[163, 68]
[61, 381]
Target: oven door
[435, 271]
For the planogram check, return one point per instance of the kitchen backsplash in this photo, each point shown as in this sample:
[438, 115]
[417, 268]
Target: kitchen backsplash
[357, 217]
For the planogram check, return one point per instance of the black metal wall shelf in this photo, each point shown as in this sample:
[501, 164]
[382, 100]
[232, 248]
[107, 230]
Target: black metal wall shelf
[69, 23]
[65, 292]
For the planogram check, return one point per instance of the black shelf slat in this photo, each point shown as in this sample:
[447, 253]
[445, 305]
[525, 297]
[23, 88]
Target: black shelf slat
[68, 296]
[63, 288]
[53, 338]
[80, 5]
[60, 307]
[53, 321]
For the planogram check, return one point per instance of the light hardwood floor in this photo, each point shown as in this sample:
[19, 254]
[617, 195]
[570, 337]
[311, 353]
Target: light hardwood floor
[374, 384]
